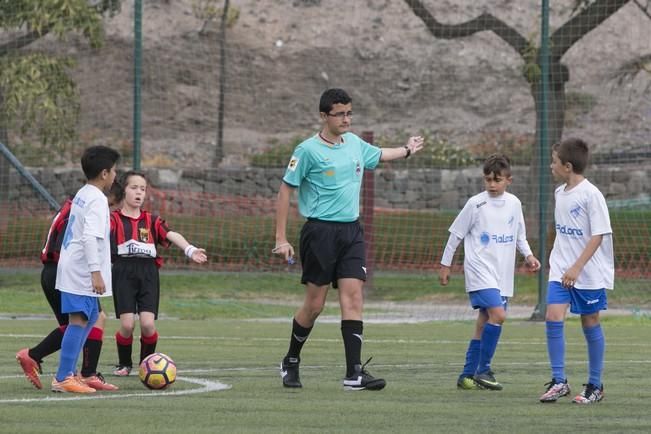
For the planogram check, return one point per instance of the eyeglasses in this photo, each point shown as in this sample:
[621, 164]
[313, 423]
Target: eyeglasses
[341, 115]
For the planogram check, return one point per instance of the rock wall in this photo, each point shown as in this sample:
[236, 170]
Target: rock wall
[395, 189]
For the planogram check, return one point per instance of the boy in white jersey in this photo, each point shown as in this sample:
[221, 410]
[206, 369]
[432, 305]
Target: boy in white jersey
[582, 266]
[492, 226]
[84, 269]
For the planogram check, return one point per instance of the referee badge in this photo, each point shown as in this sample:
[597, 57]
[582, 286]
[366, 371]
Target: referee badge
[293, 163]
[144, 234]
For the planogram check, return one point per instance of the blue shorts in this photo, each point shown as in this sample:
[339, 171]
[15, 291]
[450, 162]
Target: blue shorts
[581, 301]
[487, 298]
[73, 303]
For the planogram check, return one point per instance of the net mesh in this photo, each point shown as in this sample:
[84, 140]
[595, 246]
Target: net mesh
[462, 74]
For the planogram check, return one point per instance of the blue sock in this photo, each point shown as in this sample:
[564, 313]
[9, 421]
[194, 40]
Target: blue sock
[489, 338]
[594, 337]
[556, 348]
[73, 339]
[472, 358]
[87, 329]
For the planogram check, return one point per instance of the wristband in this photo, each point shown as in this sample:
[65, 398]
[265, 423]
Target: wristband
[408, 151]
[189, 251]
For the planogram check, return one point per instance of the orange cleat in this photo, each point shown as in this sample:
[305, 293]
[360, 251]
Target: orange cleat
[31, 368]
[71, 384]
[97, 382]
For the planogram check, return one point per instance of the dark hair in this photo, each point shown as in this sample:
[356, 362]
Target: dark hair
[116, 193]
[117, 189]
[331, 97]
[98, 158]
[574, 151]
[499, 164]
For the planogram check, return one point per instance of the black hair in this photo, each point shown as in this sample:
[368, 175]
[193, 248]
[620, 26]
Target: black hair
[98, 158]
[331, 97]
[574, 151]
[499, 164]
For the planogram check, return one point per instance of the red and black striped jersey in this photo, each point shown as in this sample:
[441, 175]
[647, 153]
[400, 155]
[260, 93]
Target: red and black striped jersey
[52, 247]
[138, 237]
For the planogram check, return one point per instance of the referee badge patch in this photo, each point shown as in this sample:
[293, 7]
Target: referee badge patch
[293, 163]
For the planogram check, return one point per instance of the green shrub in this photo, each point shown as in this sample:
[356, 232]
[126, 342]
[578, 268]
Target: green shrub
[518, 147]
[277, 155]
[437, 153]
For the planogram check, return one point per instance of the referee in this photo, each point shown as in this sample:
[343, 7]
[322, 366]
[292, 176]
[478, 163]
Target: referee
[327, 170]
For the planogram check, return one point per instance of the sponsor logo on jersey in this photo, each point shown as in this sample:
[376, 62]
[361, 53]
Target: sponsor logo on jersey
[502, 238]
[511, 220]
[565, 230]
[133, 248]
[485, 238]
[576, 211]
[480, 204]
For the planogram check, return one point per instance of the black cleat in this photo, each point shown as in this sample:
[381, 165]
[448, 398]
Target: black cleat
[289, 372]
[361, 380]
[487, 381]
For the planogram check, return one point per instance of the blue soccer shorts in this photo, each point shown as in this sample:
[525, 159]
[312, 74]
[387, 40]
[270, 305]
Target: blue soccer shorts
[487, 298]
[581, 301]
[84, 304]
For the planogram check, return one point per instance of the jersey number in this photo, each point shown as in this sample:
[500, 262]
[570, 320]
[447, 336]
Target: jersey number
[67, 237]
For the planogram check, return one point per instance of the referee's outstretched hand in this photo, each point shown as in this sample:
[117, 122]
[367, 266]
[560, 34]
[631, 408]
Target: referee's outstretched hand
[415, 144]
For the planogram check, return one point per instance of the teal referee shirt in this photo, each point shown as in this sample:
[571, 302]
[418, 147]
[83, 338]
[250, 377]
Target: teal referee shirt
[329, 177]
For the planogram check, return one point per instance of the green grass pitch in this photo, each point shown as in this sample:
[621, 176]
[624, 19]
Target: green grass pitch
[241, 349]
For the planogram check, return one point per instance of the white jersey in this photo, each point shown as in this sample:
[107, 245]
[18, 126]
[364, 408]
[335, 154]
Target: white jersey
[89, 217]
[580, 214]
[491, 229]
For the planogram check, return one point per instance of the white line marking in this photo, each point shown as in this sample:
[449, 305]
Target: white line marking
[208, 386]
[540, 341]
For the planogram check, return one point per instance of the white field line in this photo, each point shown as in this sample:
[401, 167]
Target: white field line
[540, 341]
[207, 386]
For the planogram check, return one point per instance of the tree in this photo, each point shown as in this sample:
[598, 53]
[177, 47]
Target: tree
[208, 11]
[629, 70]
[586, 16]
[37, 93]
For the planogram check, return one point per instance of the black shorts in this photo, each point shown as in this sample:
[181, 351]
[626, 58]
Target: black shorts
[53, 295]
[135, 286]
[331, 251]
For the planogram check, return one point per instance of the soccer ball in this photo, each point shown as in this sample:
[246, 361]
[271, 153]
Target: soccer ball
[157, 371]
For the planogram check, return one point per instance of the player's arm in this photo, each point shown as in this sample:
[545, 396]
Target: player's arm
[446, 259]
[569, 277]
[91, 251]
[196, 254]
[523, 247]
[93, 225]
[283, 247]
[413, 145]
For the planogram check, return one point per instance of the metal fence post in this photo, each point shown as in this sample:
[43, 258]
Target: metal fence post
[368, 206]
